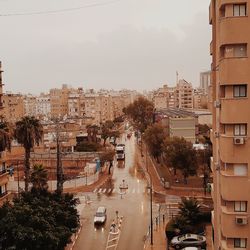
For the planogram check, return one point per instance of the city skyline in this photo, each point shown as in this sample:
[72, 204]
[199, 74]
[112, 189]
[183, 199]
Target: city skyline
[137, 45]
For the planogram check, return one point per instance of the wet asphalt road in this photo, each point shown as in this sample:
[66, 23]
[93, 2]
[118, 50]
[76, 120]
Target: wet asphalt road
[133, 206]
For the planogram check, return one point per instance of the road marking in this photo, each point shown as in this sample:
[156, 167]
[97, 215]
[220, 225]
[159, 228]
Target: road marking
[104, 190]
[113, 191]
[100, 190]
[109, 191]
[95, 190]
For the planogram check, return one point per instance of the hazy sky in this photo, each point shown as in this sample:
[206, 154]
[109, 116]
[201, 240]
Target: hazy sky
[136, 44]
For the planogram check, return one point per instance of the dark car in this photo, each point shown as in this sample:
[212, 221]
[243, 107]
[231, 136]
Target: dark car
[188, 240]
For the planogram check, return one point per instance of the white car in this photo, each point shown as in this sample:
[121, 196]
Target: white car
[100, 216]
[191, 248]
[188, 240]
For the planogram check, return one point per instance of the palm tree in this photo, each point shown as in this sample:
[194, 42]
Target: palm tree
[190, 210]
[5, 136]
[28, 132]
[39, 178]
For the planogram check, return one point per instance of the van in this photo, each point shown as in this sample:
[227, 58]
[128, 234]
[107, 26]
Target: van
[100, 216]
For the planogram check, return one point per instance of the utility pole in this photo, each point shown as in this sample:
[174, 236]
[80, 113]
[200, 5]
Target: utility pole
[151, 197]
[59, 168]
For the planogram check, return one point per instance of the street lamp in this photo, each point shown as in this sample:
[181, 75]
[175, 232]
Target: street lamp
[151, 197]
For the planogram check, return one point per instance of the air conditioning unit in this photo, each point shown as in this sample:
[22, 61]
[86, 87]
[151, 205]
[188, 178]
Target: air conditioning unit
[239, 140]
[217, 104]
[241, 220]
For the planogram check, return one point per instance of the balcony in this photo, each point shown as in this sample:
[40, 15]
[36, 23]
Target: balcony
[232, 186]
[223, 2]
[4, 197]
[212, 163]
[231, 153]
[230, 110]
[229, 227]
[234, 70]
[211, 136]
[212, 191]
[231, 30]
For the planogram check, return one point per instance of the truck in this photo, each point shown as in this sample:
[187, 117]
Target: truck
[120, 152]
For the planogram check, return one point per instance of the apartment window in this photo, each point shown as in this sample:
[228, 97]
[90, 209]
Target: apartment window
[240, 9]
[240, 129]
[240, 206]
[240, 169]
[240, 90]
[240, 50]
[240, 243]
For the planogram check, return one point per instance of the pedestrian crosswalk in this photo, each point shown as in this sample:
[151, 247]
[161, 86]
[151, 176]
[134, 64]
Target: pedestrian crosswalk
[118, 191]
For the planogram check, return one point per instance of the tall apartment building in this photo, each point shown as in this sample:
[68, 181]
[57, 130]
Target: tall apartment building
[4, 176]
[172, 103]
[161, 98]
[230, 49]
[30, 105]
[43, 107]
[200, 99]
[59, 101]
[13, 107]
[76, 105]
[184, 95]
[205, 80]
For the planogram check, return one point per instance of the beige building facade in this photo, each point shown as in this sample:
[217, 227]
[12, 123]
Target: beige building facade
[4, 176]
[231, 117]
[13, 107]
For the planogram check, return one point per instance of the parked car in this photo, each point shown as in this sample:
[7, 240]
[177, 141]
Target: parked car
[121, 145]
[188, 240]
[100, 216]
[191, 248]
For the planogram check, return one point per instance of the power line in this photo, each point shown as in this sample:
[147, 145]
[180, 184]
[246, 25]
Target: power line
[60, 10]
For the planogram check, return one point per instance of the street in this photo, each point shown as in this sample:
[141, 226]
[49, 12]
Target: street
[133, 206]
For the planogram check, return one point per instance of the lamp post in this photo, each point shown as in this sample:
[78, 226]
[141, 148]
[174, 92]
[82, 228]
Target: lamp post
[151, 197]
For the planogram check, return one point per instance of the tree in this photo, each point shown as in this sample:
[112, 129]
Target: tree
[38, 221]
[92, 131]
[105, 131]
[115, 134]
[107, 156]
[28, 132]
[204, 159]
[190, 210]
[39, 178]
[180, 155]
[154, 137]
[5, 136]
[141, 112]
[108, 132]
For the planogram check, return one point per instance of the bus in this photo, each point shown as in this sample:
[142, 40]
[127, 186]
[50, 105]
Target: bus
[120, 152]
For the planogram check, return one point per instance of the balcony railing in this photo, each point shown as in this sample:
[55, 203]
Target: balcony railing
[3, 171]
[3, 194]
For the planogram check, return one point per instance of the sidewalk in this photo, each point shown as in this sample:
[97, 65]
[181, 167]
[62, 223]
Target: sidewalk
[147, 164]
[159, 239]
[103, 178]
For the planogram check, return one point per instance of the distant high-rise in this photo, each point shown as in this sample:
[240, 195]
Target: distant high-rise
[205, 81]
[230, 50]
